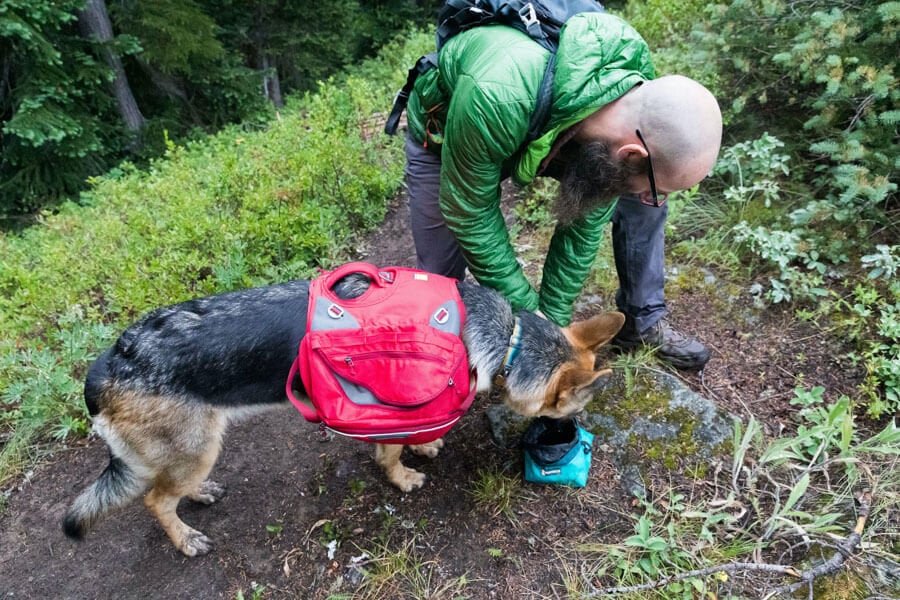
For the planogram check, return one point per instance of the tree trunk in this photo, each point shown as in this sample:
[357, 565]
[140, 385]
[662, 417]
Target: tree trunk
[271, 82]
[4, 81]
[95, 25]
[171, 87]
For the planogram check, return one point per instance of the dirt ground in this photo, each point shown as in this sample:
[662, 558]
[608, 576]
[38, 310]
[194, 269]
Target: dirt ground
[291, 494]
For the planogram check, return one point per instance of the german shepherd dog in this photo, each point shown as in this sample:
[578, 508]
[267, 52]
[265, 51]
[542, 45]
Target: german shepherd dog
[162, 396]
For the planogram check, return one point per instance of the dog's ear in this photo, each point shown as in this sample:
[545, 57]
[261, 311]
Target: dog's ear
[575, 388]
[596, 331]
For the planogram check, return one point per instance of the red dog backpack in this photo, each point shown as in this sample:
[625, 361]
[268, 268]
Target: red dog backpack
[388, 366]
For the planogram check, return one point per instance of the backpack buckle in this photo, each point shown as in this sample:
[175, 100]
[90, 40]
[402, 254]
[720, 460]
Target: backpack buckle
[528, 15]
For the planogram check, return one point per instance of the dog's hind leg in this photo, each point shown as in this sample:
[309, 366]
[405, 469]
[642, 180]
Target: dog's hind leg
[184, 476]
[430, 449]
[388, 458]
[208, 492]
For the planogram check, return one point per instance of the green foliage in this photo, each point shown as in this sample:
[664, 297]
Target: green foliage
[794, 490]
[176, 35]
[185, 76]
[663, 22]
[827, 84]
[41, 385]
[803, 259]
[240, 208]
[55, 110]
[496, 491]
[655, 551]
[193, 67]
[535, 207]
[870, 317]
[666, 25]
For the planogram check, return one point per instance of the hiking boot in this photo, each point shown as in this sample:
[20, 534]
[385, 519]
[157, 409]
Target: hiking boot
[672, 346]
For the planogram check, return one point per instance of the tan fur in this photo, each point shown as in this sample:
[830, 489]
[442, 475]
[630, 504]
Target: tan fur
[568, 391]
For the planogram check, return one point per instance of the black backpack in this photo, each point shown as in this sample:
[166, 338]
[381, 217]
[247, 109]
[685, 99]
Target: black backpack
[539, 19]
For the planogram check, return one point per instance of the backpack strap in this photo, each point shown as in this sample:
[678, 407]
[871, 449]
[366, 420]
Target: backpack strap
[541, 114]
[304, 406]
[531, 23]
[423, 65]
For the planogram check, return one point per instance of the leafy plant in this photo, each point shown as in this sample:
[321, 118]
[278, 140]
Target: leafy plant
[535, 208]
[884, 263]
[871, 318]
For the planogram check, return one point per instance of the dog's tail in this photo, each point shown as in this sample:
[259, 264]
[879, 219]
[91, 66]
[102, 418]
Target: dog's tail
[119, 483]
[117, 486]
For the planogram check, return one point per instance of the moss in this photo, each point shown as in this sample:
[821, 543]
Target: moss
[842, 586]
[642, 413]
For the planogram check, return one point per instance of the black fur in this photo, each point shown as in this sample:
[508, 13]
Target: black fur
[250, 338]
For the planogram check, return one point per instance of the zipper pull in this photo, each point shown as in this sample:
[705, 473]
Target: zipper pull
[349, 362]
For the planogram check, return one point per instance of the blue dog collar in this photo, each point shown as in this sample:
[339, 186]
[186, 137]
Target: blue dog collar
[512, 351]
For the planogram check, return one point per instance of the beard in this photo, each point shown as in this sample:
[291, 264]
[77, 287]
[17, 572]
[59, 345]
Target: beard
[592, 178]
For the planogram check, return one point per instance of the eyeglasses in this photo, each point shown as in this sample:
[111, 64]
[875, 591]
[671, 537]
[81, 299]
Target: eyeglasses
[653, 199]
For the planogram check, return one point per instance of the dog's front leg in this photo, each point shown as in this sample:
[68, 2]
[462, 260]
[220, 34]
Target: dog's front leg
[187, 539]
[430, 449]
[388, 458]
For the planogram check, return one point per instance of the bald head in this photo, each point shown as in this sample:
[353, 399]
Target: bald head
[682, 125]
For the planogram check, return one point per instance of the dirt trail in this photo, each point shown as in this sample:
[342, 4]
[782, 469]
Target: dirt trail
[290, 494]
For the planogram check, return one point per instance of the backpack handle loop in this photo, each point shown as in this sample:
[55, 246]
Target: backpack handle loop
[379, 278]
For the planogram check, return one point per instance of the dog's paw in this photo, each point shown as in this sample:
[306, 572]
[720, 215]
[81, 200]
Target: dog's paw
[407, 479]
[195, 543]
[208, 492]
[430, 449]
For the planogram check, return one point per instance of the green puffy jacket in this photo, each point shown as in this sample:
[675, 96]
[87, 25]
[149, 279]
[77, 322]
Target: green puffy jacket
[481, 98]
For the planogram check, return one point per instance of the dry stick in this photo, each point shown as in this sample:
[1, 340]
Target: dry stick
[843, 551]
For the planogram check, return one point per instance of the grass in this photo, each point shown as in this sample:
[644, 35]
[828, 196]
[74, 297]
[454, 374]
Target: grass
[496, 492]
[402, 571]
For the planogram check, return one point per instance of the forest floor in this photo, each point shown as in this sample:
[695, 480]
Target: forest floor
[307, 518]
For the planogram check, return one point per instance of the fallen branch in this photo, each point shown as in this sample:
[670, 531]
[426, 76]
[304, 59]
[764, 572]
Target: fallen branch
[844, 550]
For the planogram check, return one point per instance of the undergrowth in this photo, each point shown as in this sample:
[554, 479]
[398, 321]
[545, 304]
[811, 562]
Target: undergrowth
[241, 208]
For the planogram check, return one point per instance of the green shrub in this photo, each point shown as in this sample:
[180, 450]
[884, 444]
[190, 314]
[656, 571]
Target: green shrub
[236, 209]
[817, 74]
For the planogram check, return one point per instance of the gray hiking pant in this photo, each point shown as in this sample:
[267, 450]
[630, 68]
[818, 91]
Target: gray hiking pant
[638, 240]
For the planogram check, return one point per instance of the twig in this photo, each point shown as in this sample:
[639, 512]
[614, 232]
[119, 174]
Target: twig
[844, 550]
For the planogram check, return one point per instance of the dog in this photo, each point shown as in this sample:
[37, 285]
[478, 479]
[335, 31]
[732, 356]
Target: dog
[162, 396]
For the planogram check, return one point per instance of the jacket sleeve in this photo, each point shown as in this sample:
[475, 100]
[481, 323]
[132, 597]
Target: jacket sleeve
[483, 129]
[569, 259]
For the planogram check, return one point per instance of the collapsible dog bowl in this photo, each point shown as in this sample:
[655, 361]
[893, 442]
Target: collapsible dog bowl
[557, 451]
